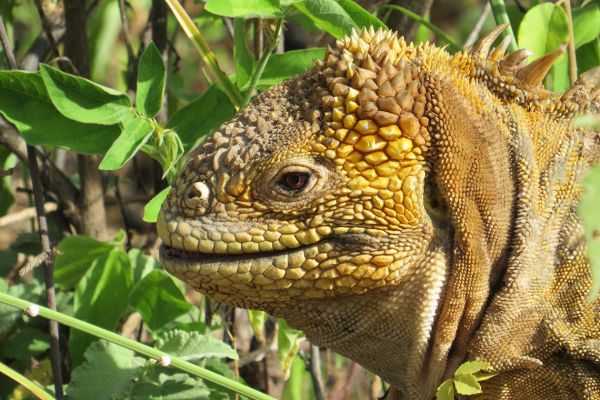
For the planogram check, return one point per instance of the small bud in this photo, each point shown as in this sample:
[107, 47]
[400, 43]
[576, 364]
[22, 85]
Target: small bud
[164, 361]
[33, 310]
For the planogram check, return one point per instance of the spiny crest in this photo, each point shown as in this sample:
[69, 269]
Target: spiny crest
[511, 76]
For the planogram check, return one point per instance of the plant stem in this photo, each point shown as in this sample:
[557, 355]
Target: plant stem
[416, 17]
[501, 17]
[208, 56]
[262, 63]
[28, 384]
[137, 347]
[571, 45]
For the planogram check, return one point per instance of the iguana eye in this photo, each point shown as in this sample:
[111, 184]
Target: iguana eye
[294, 181]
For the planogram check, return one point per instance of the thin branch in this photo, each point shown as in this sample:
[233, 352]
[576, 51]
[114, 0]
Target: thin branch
[571, 45]
[474, 35]
[315, 372]
[207, 54]
[38, 197]
[47, 28]
[123, 215]
[263, 63]
[131, 58]
[25, 213]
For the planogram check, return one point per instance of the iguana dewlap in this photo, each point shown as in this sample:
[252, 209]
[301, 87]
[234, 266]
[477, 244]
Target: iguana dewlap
[409, 209]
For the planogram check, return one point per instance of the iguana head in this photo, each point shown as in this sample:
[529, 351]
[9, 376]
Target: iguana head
[315, 189]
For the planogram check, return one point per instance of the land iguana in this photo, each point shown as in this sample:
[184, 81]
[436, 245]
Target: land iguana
[409, 209]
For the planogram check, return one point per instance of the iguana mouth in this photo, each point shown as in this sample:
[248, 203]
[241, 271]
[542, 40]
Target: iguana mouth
[176, 255]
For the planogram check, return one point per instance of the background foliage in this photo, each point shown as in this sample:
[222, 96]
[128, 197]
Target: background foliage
[114, 111]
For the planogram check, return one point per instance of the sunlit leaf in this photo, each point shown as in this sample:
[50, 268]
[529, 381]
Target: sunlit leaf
[150, 81]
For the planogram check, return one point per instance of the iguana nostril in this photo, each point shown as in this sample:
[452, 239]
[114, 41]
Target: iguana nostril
[199, 192]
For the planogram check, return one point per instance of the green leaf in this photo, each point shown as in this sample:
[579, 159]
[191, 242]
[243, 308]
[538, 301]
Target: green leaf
[10, 315]
[289, 64]
[328, 15]
[361, 17]
[338, 17]
[135, 133]
[141, 263]
[470, 367]
[445, 391]
[7, 161]
[25, 343]
[466, 384]
[99, 298]
[107, 373]
[150, 81]
[83, 100]
[588, 210]
[288, 343]
[152, 208]
[257, 321]
[25, 102]
[544, 29]
[192, 346]
[244, 8]
[77, 253]
[585, 24]
[244, 61]
[158, 299]
[201, 117]
[170, 387]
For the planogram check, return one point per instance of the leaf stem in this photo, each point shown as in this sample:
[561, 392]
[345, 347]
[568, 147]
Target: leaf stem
[28, 384]
[416, 17]
[262, 63]
[208, 56]
[501, 17]
[137, 347]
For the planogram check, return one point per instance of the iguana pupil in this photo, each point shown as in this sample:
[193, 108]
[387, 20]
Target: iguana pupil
[294, 181]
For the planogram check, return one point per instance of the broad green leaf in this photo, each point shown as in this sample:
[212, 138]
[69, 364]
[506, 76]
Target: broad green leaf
[244, 61]
[257, 321]
[25, 343]
[82, 100]
[360, 16]
[244, 8]
[328, 15]
[445, 391]
[106, 374]
[295, 388]
[484, 376]
[25, 291]
[470, 367]
[289, 64]
[586, 24]
[99, 298]
[588, 56]
[288, 343]
[192, 346]
[218, 392]
[544, 29]
[76, 255]
[150, 81]
[141, 263]
[201, 117]
[466, 384]
[152, 208]
[588, 210]
[25, 102]
[158, 299]
[7, 161]
[170, 387]
[135, 133]
[338, 17]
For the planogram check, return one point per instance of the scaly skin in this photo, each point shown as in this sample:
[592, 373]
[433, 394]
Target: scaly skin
[408, 209]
